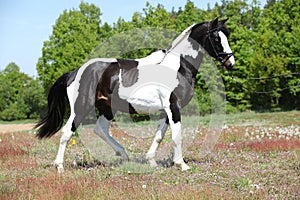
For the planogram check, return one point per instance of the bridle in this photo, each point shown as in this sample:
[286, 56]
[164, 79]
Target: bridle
[221, 56]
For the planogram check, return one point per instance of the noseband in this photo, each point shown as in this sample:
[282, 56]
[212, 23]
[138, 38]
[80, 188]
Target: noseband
[221, 56]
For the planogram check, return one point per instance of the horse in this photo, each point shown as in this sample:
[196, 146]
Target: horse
[160, 82]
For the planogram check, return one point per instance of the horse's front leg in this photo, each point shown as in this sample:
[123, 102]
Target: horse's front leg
[102, 130]
[160, 134]
[173, 113]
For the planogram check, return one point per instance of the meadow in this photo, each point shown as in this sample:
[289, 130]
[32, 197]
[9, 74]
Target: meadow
[257, 156]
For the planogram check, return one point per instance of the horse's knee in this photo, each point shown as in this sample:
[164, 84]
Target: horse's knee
[160, 133]
[66, 136]
[158, 137]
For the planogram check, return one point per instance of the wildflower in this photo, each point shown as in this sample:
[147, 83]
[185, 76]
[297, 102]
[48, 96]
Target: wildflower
[72, 142]
[168, 132]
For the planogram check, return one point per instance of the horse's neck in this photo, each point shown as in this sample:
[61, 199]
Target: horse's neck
[182, 47]
[188, 49]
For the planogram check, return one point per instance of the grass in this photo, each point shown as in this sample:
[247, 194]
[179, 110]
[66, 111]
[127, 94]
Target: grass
[25, 121]
[257, 156]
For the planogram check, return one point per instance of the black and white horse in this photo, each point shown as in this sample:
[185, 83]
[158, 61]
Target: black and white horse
[163, 81]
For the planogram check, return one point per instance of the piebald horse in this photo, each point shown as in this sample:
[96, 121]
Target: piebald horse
[161, 82]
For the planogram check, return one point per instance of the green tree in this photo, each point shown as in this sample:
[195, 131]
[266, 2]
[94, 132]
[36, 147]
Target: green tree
[157, 17]
[12, 82]
[21, 97]
[277, 52]
[242, 23]
[34, 98]
[75, 34]
[265, 43]
[188, 16]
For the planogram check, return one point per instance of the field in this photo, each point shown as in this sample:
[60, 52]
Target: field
[257, 156]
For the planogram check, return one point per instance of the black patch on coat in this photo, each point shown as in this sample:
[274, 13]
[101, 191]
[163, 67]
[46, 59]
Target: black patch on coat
[186, 76]
[107, 97]
[88, 83]
[129, 72]
[175, 108]
[108, 81]
[72, 76]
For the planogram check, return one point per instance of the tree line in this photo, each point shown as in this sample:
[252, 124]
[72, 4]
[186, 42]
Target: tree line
[264, 39]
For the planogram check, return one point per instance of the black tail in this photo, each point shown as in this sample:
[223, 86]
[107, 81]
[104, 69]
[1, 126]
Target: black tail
[54, 118]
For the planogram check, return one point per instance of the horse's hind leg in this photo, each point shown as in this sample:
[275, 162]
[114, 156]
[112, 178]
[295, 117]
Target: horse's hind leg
[78, 112]
[102, 130]
[160, 134]
[66, 135]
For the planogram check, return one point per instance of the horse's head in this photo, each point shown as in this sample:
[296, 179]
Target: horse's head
[213, 36]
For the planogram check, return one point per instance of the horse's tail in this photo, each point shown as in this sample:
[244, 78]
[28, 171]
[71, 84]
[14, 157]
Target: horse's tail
[53, 121]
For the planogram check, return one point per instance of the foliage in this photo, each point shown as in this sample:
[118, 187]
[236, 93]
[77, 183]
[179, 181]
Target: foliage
[21, 96]
[264, 40]
[276, 51]
[75, 34]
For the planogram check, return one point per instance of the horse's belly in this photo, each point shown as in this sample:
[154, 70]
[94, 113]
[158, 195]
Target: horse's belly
[150, 98]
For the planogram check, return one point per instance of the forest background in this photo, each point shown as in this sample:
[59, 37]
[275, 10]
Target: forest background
[265, 42]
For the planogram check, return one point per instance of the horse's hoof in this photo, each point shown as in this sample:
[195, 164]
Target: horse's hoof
[59, 168]
[152, 163]
[184, 166]
[123, 155]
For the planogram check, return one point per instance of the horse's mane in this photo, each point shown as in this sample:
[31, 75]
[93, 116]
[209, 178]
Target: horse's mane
[221, 27]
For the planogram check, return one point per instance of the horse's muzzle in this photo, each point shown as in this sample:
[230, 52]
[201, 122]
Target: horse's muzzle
[227, 60]
[229, 67]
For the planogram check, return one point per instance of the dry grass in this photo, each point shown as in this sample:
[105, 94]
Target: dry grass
[242, 166]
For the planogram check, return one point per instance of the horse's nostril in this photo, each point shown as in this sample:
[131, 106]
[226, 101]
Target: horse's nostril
[230, 66]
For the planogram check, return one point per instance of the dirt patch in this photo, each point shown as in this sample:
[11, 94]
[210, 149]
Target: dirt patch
[9, 128]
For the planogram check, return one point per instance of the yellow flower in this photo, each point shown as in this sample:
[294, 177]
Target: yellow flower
[168, 132]
[72, 142]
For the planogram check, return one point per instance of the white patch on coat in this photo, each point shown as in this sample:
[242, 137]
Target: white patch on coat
[157, 76]
[183, 46]
[226, 47]
[155, 84]
[154, 58]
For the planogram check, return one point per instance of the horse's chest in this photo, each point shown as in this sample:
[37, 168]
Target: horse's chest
[152, 89]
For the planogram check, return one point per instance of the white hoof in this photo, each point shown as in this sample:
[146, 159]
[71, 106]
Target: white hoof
[152, 163]
[59, 167]
[184, 167]
[60, 170]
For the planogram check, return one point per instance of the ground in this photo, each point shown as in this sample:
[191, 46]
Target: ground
[257, 156]
[8, 128]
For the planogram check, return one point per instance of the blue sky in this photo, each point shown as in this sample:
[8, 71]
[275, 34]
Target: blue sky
[25, 25]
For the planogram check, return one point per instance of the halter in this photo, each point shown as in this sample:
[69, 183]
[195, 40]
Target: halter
[218, 54]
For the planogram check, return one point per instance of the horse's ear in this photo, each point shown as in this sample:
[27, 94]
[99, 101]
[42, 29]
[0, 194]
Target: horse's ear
[214, 23]
[223, 21]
